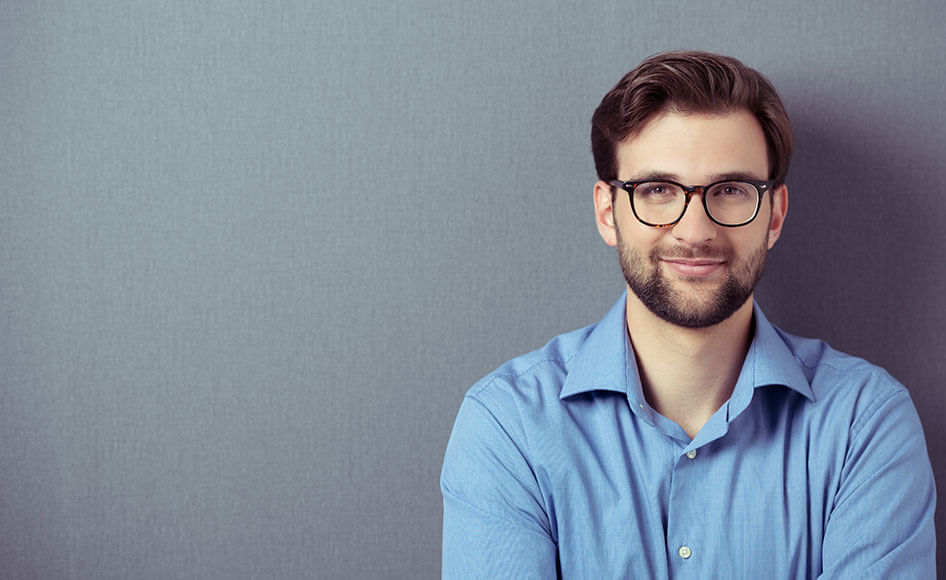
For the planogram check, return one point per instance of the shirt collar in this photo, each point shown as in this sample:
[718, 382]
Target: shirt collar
[770, 361]
[606, 362]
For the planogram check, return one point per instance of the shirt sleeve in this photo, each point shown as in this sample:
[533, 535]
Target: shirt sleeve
[881, 524]
[494, 522]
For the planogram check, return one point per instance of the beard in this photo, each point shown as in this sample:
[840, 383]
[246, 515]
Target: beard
[698, 310]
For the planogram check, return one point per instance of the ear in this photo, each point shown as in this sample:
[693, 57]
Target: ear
[779, 211]
[604, 213]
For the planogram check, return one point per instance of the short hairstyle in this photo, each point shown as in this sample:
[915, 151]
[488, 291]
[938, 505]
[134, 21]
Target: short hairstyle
[688, 82]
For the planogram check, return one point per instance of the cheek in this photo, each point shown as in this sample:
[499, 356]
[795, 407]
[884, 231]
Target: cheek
[752, 244]
[633, 233]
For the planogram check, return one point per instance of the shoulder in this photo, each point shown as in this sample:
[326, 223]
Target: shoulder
[850, 389]
[532, 378]
[829, 370]
[489, 456]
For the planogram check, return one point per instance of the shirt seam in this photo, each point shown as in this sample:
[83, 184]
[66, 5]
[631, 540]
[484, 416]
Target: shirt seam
[497, 375]
[527, 443]
[526, 453]
[859, 426]
[860, 365]
[476, 508]
[874, 408]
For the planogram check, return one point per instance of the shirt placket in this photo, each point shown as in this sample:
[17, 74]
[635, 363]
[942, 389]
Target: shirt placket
[686, 522]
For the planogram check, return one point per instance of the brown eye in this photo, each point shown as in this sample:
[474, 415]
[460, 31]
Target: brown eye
[733, 190]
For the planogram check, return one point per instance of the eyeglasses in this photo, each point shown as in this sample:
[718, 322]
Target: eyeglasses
[661, 204]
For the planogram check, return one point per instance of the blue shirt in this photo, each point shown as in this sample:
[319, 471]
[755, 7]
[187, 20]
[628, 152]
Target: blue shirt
[816, 467]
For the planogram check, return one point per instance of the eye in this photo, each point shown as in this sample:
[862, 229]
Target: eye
[656, 190]
[732, 190]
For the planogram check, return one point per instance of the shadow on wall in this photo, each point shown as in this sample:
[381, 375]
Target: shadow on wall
[860, 263]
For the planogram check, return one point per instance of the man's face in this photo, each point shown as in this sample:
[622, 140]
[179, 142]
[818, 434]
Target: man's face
[695, 273]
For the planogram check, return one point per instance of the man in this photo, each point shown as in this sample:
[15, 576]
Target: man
[684, 436]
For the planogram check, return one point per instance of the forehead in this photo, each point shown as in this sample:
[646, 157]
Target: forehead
[695, 146]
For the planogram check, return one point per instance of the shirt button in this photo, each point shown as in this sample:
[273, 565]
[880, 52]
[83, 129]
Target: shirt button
[691, 454]
[684, 552]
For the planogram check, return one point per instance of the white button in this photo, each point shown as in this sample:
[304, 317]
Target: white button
[641, 405]
[691, 454]
[684, 552]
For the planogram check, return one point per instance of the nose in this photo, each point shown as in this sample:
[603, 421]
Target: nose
[695, 227]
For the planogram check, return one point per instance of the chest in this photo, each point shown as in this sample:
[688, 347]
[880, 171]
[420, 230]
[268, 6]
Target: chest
[625, 500]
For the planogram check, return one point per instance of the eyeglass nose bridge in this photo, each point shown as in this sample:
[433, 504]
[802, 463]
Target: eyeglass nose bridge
[688, 191]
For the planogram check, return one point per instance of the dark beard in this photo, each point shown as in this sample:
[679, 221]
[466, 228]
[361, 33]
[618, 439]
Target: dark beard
[659, 297]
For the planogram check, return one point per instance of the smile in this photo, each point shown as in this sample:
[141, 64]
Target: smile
[693, 268]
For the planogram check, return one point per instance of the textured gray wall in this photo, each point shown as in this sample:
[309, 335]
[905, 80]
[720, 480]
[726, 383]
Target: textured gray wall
[252, 254]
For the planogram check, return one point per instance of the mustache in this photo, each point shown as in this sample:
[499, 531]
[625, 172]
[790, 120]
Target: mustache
[701, 253]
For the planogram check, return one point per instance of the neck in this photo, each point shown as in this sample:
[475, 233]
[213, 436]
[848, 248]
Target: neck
[688, 373]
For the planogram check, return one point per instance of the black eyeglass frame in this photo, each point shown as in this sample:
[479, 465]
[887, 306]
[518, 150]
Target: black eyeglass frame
[688, 190]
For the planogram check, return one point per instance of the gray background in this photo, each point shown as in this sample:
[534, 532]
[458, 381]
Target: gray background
[252, 254]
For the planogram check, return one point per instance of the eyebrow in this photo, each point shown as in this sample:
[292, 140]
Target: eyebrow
[666, 176]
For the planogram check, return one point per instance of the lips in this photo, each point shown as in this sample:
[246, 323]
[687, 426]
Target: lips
[693, 268]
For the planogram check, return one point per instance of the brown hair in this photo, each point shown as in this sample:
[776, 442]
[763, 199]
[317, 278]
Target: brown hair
[688, 82]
